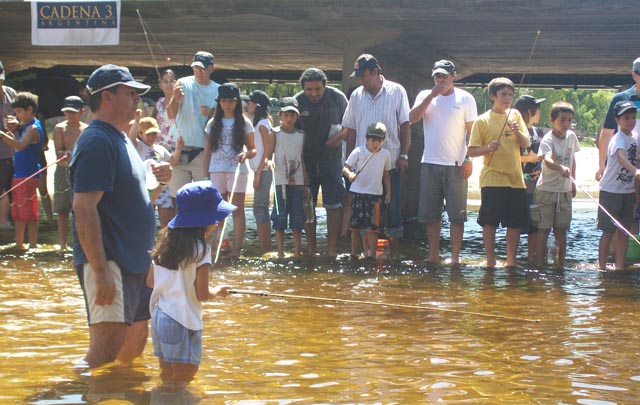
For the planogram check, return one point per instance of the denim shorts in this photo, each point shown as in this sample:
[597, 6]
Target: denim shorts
[328, 175]
[288, 206]
[174, 343]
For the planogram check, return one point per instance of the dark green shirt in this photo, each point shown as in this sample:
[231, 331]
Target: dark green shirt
[316, 120]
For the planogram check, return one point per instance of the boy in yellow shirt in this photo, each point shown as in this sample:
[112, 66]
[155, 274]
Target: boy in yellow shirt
[498, 135]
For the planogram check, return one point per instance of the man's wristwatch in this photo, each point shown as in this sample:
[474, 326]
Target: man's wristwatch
[404, 156]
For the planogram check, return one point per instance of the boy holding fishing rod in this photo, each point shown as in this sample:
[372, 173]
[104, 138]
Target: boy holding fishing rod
[555, 190]
[368, 169]
[498, 135]
[290, 174]
[617, 186]
[28, 142]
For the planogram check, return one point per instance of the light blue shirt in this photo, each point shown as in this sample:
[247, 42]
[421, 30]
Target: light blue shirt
[189, 122]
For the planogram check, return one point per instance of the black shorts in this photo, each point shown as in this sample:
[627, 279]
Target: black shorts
[504, 206]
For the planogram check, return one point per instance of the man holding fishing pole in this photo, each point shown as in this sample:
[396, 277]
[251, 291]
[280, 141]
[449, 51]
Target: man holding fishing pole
[447, 115]
[192, 104]
[114, 222]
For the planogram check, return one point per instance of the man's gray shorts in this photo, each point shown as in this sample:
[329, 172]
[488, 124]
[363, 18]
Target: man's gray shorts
[438, 184]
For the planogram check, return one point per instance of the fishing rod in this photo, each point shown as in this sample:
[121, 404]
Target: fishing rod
[224, 223]
[613, 219]
[524, 73]
[383, 304]
[30, 177]
[146, 37]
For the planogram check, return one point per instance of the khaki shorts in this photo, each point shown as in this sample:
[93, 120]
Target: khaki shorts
[551, 210]
[185, 172]
[61, 198]
[131, 301]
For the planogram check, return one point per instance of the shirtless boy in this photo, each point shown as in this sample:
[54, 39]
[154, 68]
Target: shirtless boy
[65, 135]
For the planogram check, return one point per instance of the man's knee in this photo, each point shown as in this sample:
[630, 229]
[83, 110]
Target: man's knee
[106, 341]
[135, 339]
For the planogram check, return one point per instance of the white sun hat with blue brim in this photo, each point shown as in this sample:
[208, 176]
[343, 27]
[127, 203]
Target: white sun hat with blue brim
[200, 204]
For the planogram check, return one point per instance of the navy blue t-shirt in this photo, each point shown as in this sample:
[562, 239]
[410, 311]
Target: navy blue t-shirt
[104, 159]
[627, 95]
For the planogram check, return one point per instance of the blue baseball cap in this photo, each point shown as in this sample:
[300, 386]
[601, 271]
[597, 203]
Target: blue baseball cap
[108, 76]
[622, 107]
[200, 204]
[260, 98]
[228, 91]
[202, 59]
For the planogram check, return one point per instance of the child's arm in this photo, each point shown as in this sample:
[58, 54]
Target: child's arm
[203, 293]
[386, 181]
[133, 131]
[523, 140]
[30, 136]
[150, 276]
[548, 162]
[474, 151]
[620, 154]
[348, 173]
[58, 142]
[250, 145]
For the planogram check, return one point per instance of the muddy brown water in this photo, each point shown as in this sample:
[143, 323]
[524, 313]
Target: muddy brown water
[581, 349]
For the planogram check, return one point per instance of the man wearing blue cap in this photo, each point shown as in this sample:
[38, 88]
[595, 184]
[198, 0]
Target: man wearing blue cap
[114, 223]
[610, 126]
[192, 104]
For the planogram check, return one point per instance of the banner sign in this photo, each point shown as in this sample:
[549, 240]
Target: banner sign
[75, 23]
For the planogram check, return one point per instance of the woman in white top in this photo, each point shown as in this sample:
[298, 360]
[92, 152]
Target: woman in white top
[258, 106]
[229, 144]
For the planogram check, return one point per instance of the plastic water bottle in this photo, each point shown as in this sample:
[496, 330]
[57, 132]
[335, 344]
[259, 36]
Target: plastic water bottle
[309, 210]
[552, 250]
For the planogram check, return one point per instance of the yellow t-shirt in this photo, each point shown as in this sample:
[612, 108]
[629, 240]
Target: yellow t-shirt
[505, 169]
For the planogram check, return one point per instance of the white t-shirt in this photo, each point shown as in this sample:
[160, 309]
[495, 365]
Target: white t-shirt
[444, 124]
[616, 179]
[389, 106]
[174, 292]
[287, 157]
[369, 169]
[563, 153]
[157, 152]
[255, 161]
[225, 159]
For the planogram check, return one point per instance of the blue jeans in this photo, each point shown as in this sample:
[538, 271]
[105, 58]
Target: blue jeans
[288, 206]
[328, 175]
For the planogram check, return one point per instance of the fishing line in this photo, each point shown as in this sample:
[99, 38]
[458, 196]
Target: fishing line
[33, 175]
[224, 223]
[615, 221]
[384, 304]
[524, 73]
[146, 37]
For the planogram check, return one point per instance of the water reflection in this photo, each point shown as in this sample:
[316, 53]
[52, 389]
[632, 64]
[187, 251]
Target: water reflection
[282, 350]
